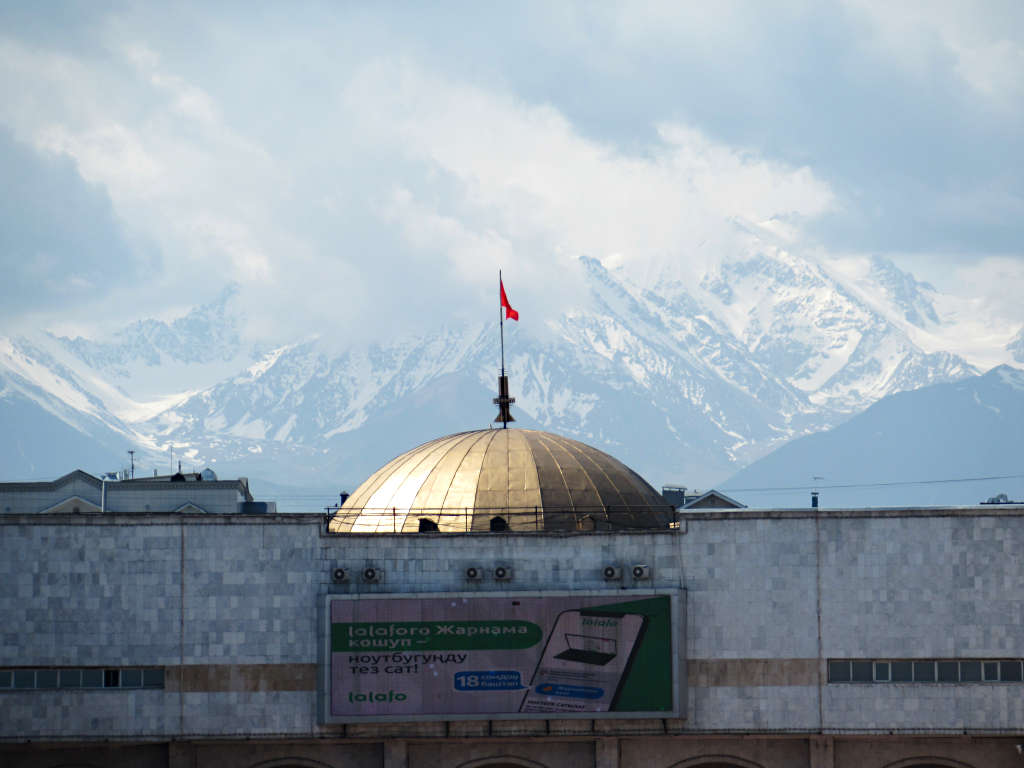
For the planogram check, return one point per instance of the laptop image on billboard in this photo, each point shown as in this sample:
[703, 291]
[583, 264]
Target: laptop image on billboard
[588, 649]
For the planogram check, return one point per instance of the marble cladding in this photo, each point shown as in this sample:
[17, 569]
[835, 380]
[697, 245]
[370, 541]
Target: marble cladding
[166, 591]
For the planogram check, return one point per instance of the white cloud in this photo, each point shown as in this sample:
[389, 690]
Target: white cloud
[177, 175]
[984, 42]
[525, 178]
[340, 185]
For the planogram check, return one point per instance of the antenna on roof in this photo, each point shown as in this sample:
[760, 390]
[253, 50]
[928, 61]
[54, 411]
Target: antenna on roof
[132, 454]
[503, 401]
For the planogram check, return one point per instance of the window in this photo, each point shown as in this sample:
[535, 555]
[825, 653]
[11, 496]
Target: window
[925, 671]
[970, 671]
[902, 672]
[862, 671]
[24, 678]
[1010, 671]
[949, 672]
[839, 671]
[52, 678]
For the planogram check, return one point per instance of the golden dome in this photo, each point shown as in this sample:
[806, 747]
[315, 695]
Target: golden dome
[485, 480]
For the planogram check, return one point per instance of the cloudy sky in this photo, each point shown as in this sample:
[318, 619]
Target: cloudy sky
[345, 161]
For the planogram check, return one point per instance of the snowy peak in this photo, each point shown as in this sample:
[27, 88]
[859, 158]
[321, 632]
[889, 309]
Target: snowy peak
[207, 333]
[1016, 346]
[684, 379]
[806, 327]
[913, 297]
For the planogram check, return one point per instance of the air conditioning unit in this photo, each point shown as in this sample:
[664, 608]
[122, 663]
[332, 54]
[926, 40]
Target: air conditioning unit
[612, 573]
[503, 573]
[474, 573]
[339, 576]
[641, 572]
[373, 575]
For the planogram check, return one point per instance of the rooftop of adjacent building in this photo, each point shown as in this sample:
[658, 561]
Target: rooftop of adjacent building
[81, 492]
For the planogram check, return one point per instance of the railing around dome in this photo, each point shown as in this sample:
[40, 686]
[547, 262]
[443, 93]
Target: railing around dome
[341, 519]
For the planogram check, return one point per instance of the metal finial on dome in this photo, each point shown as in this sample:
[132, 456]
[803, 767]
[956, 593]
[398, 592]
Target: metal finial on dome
[503, 401]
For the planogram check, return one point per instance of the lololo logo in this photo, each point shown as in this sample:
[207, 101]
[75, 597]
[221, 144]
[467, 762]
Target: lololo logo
[364, 698]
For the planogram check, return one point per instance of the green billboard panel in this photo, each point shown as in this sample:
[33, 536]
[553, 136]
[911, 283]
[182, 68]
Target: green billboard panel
[564, 655]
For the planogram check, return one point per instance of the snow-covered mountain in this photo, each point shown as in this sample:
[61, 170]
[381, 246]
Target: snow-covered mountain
[1016, 347]
[950, 443]
[684, 380]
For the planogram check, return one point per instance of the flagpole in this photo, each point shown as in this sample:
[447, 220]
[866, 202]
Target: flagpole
[501, 326]
[503, 401]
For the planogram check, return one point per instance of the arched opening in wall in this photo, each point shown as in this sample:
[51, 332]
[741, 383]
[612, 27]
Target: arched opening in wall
[498, 524]
[716, 761]
[428, 526]
[292, 762]
[503, 761]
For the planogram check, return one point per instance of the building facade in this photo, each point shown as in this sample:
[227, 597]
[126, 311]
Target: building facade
[804, 638]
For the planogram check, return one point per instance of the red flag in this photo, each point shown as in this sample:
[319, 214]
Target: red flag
[510, 314]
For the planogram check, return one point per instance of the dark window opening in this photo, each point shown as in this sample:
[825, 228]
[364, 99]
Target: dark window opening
[949, 672]
[24, 678]
[428, 526]
[73, 677]
[924, 671]
[902, 672]
[839, 671]
[970, 671]
[1009, 671]
[498, 524]
[862, 672]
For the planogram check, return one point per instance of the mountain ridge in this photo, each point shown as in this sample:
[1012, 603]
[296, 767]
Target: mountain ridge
[680, 380]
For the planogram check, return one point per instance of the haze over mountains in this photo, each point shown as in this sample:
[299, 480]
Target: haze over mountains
[949, 443]
[686, 381]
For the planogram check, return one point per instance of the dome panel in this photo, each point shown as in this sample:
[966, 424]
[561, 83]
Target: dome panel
[455, 472]
[533, 480]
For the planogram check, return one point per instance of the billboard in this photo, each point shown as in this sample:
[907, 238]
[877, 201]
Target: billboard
[507, 655]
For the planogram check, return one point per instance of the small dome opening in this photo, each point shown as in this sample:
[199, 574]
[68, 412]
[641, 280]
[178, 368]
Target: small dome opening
[498, 524]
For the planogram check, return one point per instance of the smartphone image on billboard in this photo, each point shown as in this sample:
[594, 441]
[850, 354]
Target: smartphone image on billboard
[585, 659]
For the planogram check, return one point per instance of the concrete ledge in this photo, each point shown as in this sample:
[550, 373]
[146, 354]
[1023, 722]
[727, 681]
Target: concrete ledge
[209, 678]
[715, 673]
